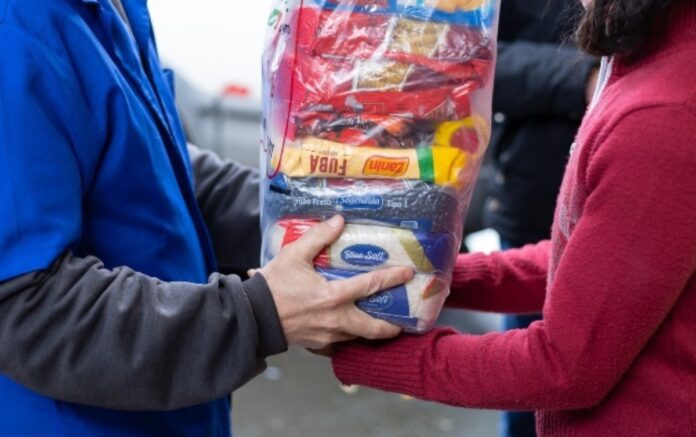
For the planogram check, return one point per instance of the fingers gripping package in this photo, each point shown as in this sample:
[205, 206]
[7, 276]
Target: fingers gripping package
[378, 110]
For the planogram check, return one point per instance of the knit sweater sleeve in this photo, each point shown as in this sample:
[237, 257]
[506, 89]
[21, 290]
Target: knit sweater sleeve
[513, 281]
[629, 259]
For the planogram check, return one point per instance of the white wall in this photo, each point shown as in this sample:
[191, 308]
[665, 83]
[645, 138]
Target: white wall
[213, 42]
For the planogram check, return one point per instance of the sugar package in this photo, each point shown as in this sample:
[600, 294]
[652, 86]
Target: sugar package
[365, 247]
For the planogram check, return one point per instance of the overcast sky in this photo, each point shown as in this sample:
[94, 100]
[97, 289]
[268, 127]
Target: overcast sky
[213, 42]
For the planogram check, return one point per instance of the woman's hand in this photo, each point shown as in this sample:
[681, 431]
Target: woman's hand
[314, 312]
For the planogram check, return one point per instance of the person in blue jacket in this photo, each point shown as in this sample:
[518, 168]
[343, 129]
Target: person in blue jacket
[113, 320]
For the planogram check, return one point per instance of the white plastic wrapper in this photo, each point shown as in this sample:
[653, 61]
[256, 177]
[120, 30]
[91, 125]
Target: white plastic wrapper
[378, 110]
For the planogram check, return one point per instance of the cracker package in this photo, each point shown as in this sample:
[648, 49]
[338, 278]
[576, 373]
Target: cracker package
[378, 110]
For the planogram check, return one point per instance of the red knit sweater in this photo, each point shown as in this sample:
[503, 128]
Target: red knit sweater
[616, 352]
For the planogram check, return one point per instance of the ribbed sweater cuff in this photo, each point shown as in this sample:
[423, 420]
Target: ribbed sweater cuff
[271, 337]
[394, 366]
[473, 270]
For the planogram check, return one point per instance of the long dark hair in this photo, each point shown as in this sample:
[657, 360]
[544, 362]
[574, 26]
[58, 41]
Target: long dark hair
[621, 27]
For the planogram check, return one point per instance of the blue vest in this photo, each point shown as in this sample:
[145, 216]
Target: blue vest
[93, 159]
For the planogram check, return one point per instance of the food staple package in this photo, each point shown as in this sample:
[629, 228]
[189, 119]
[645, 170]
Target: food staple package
[378, 110]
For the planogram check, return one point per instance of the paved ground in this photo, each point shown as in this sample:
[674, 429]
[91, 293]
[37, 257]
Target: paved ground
[298, 397]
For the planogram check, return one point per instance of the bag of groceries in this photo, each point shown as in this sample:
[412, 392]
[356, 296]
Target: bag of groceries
[378, 110]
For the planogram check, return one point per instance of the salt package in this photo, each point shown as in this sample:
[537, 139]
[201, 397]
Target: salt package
[378, 110]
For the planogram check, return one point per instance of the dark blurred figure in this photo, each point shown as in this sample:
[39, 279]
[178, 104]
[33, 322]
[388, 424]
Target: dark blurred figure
[542, 88]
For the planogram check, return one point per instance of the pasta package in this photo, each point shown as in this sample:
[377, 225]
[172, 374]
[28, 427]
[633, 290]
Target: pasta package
[378, 110]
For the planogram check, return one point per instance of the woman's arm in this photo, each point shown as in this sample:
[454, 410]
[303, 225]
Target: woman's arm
[629, 260]
[513, 281]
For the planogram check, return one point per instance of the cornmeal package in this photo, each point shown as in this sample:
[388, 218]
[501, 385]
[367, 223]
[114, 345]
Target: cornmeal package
[377, 110]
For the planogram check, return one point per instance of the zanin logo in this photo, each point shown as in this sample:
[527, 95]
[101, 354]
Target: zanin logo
[364, 255]
[384, 166]
[360, 202]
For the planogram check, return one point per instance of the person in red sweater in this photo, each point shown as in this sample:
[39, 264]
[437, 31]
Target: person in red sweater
[615, 354]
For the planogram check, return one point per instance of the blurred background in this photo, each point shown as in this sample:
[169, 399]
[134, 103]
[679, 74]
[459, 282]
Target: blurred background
[215, 46]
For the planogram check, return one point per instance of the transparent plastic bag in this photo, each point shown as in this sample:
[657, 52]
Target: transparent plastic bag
[378, 110]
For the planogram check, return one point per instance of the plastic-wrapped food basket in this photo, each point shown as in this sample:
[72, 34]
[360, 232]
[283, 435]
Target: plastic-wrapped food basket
[378, 110]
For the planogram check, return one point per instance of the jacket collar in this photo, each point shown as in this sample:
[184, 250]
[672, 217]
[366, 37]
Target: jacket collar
[134, 48]
[139, 18]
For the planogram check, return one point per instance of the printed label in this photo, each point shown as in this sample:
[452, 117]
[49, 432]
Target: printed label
[304, 201]
[391, 305]
[378, 302]
[327, 165]
[360, 202]
[364, 255]
[384, 166]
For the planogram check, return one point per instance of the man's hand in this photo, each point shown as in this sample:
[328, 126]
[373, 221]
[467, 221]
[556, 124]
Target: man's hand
[314, 312]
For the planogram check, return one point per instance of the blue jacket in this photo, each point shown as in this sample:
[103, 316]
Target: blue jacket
[93, 160]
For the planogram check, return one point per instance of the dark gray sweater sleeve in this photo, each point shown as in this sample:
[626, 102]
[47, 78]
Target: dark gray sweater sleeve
[228, 196]
[119, 339]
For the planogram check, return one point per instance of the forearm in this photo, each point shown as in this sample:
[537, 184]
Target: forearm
[518, 370]
[119, 339]
[228, 196]
[513, 281]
